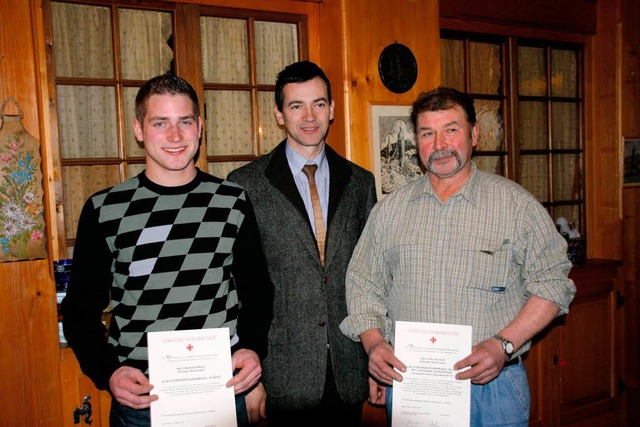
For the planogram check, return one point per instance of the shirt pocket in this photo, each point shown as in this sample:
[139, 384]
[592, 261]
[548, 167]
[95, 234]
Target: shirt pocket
[488, 264]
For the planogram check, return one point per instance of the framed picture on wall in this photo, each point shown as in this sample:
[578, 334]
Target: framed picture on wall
[631, 162]
[395, 154]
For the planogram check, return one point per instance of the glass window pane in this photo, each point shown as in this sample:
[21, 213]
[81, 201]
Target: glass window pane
[78, 184]
[270, 132]
[452, 63]
[486, 68]
[491, 164]
[564, 125]
[534, 175]
[566, 177]
[228, 122]
[276, 47]
[82, 41]
[222, 169]
[134, 148]
[133, 169]
[532, 72]
[533, 125]
[564, 73]
[144, 43]
[87, 124]
[489, 118]
[225, 50]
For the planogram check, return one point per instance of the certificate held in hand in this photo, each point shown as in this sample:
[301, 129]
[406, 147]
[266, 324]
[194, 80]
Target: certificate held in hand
[189, 370]
[429, 394]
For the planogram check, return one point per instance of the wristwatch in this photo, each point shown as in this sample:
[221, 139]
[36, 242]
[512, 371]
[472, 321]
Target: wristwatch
[507, 346]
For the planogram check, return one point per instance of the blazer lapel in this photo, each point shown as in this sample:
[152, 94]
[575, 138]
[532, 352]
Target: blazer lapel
[279, 175]
[340, 176]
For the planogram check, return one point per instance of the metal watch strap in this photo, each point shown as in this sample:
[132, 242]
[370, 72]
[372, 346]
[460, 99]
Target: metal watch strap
[505, 342]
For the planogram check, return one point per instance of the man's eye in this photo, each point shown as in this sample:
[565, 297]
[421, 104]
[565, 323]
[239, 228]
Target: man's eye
[158, 124]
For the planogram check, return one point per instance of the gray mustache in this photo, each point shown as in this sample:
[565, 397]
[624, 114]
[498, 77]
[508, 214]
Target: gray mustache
[440, 154]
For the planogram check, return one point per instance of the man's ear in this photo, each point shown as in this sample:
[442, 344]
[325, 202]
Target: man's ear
[137, 130]
[279, 115]
[475, 134]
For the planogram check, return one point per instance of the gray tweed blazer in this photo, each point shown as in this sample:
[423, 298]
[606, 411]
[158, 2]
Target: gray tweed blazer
[309, 301]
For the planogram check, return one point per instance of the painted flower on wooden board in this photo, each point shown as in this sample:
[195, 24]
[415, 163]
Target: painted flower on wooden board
[20, 209]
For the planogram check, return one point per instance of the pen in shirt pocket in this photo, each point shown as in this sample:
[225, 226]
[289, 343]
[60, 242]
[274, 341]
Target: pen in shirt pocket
[490, 252]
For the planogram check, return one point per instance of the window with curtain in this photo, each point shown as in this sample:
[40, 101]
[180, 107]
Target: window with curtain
[528, 96]
[241, 58]
[104, 50]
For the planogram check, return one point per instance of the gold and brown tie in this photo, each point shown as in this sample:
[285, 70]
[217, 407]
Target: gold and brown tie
[321, 232]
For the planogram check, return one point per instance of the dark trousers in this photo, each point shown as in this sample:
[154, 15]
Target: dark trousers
[332, 411]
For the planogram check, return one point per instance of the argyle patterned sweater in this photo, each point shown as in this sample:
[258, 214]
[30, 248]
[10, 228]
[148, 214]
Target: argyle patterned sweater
[165, 258]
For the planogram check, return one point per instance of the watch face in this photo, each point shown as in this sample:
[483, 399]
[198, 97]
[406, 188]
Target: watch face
[398, 68]
[508, 347]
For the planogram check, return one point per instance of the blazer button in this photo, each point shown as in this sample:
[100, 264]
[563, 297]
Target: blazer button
[324, 280]
[322, 324]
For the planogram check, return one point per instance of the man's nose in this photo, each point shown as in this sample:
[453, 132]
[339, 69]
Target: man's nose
[174, 134]
[309, 114]
[439, 142]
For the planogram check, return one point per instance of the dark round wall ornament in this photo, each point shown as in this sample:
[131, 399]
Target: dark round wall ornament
[398, 68]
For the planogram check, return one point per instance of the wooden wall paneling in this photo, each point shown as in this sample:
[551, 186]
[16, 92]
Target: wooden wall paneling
[30, 389]
[542, 376]
[631, 277]
[570, 15]
[602, 151]
[75, 386]
[286, 6]
[50, 153]
[367, 27]
[630, 93]
[589, 351]
[29, 393]
[50, 133]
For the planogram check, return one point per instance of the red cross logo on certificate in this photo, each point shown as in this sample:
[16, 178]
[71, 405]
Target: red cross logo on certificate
[189, 347]
[433, 340]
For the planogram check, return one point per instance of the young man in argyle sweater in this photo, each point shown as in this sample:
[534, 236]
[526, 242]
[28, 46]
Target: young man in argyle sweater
[173, 248]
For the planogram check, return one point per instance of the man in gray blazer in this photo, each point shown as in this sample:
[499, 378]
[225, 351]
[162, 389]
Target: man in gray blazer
[312, 373]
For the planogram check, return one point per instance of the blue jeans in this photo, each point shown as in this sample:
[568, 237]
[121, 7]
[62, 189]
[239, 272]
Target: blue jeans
[504, 401]
[123, 416]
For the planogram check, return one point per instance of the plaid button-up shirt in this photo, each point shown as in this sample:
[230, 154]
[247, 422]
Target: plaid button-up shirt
[472, 260]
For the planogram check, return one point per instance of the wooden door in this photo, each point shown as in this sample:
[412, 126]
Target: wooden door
[75, 388]
[573, 366]
[589, 353]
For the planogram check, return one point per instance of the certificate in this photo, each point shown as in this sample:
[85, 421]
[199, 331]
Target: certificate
[429, 394]
[189, 370]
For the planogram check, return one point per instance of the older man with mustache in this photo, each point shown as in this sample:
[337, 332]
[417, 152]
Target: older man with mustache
[458, 246]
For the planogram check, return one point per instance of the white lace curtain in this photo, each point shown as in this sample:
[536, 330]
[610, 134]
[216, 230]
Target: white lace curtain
[225, 59]
[533, 119]
[91, 131]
